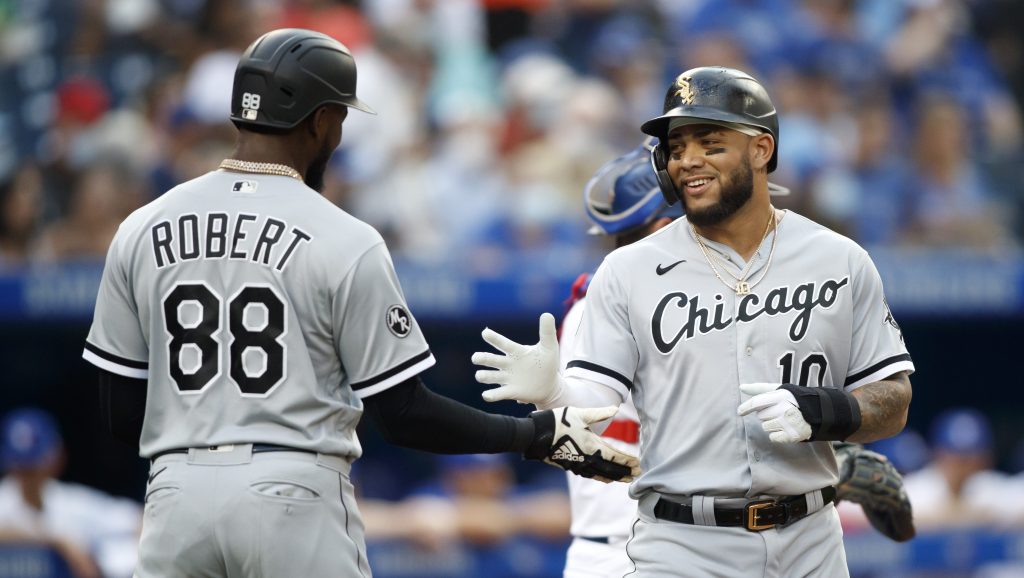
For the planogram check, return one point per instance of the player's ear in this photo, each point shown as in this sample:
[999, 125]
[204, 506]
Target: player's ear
[317, 122]
[761, 148]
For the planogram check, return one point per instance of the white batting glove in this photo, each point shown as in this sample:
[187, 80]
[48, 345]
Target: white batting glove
[778, 411]
[526, 373]
[563, 438]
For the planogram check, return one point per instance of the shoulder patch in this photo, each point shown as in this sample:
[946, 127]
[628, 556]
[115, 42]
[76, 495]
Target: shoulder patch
[398, 321]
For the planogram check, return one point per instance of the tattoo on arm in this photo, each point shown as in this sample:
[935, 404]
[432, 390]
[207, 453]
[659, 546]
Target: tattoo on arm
[883, 408]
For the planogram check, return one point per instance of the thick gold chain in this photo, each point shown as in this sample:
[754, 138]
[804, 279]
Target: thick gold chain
[742, 286]
[260, 168]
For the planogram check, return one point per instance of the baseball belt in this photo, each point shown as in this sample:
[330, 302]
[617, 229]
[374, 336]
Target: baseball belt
[256, 449]
[755, 516]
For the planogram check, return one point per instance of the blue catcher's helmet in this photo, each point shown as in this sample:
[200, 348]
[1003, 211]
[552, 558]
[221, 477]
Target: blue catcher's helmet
[624, 195]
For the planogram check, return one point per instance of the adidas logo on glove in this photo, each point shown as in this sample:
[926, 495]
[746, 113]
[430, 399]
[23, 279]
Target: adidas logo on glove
[567, 452]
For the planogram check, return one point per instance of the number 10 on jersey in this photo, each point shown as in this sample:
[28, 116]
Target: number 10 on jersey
[193, 315]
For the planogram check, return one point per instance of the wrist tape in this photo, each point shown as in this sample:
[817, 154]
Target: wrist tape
[832, 413]
[543, 435]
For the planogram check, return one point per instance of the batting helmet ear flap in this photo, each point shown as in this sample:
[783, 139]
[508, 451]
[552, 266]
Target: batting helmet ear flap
[660, 164]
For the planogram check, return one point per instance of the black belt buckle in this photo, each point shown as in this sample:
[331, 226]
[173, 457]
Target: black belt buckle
[753, 522]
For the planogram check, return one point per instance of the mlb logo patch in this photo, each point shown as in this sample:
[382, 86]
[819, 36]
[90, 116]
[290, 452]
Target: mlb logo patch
[244, 186]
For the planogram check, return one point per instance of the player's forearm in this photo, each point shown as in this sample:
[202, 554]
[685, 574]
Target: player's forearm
[122, 406]
[883, 408]
[578, 392]
[410, 415]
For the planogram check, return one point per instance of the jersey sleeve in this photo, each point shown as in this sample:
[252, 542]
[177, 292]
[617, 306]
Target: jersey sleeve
[377, 339]
[605, 350]
[877, 350]
[116, 341]
[568, 332]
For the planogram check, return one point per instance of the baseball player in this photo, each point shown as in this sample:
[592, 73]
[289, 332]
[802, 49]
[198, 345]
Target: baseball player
[244, 324]
[746, 336]
[623, 200]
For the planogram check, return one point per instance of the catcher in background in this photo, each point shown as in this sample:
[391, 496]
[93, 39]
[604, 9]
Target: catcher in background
[623, 201]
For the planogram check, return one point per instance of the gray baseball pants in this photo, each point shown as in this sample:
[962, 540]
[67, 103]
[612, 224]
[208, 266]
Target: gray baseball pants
[230, 513]
[811, 547]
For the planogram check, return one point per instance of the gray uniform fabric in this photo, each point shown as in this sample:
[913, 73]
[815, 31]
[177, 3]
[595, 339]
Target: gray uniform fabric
[813, 546]
[681, 343]
[258, 312]
[229, 513]
[338, 325]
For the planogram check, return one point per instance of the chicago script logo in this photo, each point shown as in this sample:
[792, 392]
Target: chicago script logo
[803, 299]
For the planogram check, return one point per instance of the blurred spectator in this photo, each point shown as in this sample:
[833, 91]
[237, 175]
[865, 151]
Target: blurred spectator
[765, 29]
[101, 199]
[95, 533]
[478, 495]
[959, 486]
[20, 214]
[952, 204]
[908, 451]
[869, 190]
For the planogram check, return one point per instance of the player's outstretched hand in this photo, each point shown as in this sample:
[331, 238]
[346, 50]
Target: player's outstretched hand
[525, 373]
[563, 438]
[778, 411]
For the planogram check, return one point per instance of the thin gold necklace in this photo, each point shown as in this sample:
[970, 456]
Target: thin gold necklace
[260, 168]
[742, 287]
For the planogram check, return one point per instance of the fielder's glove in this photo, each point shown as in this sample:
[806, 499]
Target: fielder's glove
[564, 439]
[525, 373]
[792, 413]
[869, 479]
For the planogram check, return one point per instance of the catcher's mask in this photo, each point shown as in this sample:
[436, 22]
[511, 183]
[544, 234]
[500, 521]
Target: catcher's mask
[623, 195]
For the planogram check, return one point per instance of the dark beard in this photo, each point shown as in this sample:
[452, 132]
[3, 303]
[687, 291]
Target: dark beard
[315, 173]
[734, 196]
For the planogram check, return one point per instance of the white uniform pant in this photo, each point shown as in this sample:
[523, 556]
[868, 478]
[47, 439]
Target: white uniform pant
[232, 513]
[589, 559]
[811, 547]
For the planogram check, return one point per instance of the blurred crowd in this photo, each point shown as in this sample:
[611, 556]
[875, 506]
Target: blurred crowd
[900, 119]
[953, 475]
[900, 126]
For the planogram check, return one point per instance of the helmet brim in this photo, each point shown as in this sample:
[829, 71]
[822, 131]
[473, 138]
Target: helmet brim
[686, 115]
[354, 102]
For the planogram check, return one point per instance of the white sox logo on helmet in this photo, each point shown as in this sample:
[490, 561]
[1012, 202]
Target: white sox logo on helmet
[685, 92]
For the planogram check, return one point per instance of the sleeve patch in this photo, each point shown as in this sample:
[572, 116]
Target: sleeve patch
[399, 321]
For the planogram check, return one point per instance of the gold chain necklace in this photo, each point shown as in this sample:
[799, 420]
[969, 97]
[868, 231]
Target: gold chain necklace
[260, 168]
[742, 287]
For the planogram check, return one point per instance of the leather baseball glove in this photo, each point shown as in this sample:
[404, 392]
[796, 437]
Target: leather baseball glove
[869, 479]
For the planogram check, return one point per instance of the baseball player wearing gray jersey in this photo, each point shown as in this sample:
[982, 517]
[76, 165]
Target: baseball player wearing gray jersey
[746, 336]
[244, 324]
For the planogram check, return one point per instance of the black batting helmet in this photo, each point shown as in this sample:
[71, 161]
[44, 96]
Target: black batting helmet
[710, 94]
[286, 74]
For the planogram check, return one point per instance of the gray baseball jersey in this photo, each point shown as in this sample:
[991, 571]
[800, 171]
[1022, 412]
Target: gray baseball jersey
[660, 325]
[258, 312]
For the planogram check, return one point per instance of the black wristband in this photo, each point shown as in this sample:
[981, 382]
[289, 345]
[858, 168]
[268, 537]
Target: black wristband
[832, 413]
[543, 435]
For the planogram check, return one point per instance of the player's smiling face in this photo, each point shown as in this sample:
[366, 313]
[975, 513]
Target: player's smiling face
[710, 166]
